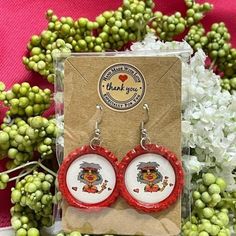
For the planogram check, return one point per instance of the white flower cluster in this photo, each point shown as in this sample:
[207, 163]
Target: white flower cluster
[209, 114]
[209, 118]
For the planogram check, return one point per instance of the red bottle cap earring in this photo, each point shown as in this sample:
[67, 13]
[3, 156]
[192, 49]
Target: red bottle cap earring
[88, 175]
[150, 176]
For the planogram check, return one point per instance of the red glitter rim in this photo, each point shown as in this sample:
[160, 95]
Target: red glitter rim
[77, 153]
[179, 176]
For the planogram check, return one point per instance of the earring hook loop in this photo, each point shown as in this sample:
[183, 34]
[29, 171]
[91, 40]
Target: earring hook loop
[144, 134]
[96, 140]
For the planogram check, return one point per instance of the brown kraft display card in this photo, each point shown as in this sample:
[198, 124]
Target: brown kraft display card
[159, 85]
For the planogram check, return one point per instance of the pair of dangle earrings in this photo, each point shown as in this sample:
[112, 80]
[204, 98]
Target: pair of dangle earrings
[149, 177]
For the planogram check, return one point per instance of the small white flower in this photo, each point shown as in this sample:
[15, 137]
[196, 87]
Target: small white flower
[192, 164]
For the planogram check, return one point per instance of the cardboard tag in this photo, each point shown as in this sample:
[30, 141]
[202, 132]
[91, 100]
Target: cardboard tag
[122, 85]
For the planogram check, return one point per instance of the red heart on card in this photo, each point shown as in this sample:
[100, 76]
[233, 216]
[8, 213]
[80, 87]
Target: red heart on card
[75, 188]
[136, 190]
[123, 78]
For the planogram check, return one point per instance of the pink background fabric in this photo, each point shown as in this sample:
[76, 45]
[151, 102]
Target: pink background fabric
[21, 19]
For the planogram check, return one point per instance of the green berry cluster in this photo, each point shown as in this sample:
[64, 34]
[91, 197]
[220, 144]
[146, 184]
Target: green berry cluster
[209, 214]
[196, 11]
[34, 191]
[20, 138]
[24, 100]
[33, 204]
[216, 44]
[196, 37]
[166, 27]
[227, 64]
[24, 221]
[111, 31]
[4, 178]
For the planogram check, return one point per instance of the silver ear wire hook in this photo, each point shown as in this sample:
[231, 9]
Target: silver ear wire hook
[145, 121]
[99, 121]
[144, 135]
[96, 140]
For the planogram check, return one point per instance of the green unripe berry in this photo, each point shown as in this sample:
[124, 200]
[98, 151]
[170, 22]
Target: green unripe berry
[216, 198]
[23, 90]
[98, 48]
[24, 220]
[223, 217]
[2, 86]
[90, 25]
[35, 40]
[202, 188]
[21, 232]
[4, 137]
[15, 196]
[16, 224]
[196, 195]
[23, 102]
[208, 179]
[35, 51]
[3, 185]
[199, 204]
[180, 28]
[29, 111]
[219, 181]
[12, 153]
[233, 83]
[41, 65]
[221, 53]
[208, 212]
[9, 95]
[101, 20]
[215, 229]
[206, 198]
[4, 178]
[16, 88]
[33, 232]
[31, 187]
[65, 29]
[46, 186]
[190, 12]
[214, 188]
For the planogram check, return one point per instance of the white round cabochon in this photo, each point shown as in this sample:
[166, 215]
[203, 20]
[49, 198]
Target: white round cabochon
[150, 178]
[91, 178]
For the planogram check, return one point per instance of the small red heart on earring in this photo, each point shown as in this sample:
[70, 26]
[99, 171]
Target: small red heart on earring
[136, 190]
[75, 188]
[123, 78]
